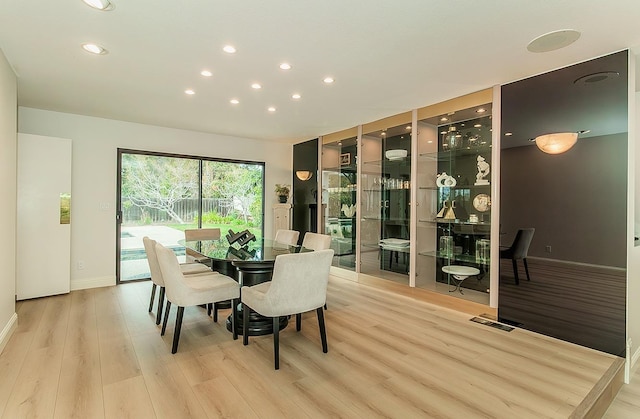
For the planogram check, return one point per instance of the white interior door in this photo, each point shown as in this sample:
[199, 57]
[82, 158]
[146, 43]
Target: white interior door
[43, 233]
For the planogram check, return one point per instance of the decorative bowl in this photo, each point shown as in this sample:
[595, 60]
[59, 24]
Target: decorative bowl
[396, 154]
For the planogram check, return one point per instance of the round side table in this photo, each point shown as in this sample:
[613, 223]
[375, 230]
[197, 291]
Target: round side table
[459, 274]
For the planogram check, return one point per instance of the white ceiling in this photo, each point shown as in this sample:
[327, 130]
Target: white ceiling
[386, 56]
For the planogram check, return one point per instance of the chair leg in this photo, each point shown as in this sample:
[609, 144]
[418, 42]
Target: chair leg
[276, 342]
[298, 321]
[515, 271]
[526, 268]
[234, 320]
[160, 305]
[325, 306]
[176, 330]
[153, 295]
[209, 307]
[245, 324]
[215, 312]
[323, 331]
[166, 318]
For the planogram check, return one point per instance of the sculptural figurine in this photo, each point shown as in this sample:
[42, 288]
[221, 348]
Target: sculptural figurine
[483, 171]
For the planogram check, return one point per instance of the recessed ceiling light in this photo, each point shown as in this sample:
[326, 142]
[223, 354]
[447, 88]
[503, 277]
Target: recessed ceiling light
[328, 80]
[229, 49]
[256, 86]
[190, 92]
[295, 96]
[508, 134]
[383, 134]
[444, 119]
[285, 66]
[103, 5]
[408, 127]
[234, 101]
[271, 109]
[206, 73]
[94, 49]
[430, 142]
[553, 40]
[481, 110]
[477, 126]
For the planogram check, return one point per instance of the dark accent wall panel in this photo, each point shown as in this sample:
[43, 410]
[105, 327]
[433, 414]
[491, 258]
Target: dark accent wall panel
[576, 201]
[305, 194]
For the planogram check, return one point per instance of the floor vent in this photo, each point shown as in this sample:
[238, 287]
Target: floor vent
[492, 324]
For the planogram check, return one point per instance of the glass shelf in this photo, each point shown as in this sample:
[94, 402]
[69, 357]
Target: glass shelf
[344, 168]
[378, 218]
[443, 221]
[390, 163]
[448, 155]
[457, 187]
[457, 258]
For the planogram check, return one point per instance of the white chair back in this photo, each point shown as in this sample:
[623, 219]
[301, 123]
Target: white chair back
[152, 258]
[315, 241]
[177, 291]
[299, 283]
[288, 237]
[202, 234]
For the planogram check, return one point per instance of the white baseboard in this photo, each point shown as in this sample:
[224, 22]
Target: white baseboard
[634, 358]
[83, 284]
[344, 273]
[8, 330]
[630, 364]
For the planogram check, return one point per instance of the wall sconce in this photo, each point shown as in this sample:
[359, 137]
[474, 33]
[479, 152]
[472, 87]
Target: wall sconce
[304, 175]
[557, 142]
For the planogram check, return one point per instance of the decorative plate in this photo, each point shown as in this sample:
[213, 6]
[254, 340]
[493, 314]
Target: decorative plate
[482, 202]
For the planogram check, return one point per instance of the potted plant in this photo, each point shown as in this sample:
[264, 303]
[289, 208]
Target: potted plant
[283, 193]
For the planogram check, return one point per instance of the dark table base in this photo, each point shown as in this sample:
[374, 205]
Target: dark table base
[258, 325]
[249, 273]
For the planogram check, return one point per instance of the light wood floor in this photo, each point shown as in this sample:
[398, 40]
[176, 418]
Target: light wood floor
[98, 353]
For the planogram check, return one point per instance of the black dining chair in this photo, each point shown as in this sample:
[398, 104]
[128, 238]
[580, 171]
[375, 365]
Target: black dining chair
[518, 250]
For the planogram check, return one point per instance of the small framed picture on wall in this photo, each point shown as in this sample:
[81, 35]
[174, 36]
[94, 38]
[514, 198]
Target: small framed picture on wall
[345, 159]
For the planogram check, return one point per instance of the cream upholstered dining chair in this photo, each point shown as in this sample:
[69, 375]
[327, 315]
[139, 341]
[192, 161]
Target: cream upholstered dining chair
[156, 274]
[193, 290]
[299, 284]
[315, 241]
[288, 237]
[195, 234]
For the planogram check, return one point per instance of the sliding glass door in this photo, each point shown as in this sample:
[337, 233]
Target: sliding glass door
[161, 195]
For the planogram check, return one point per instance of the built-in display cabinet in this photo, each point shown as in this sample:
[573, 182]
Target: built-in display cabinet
[385, 176]
[454, 202]
[339, 195]
[407, 197]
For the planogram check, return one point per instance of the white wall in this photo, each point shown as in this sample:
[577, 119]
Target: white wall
[93, 186]
[8, 144]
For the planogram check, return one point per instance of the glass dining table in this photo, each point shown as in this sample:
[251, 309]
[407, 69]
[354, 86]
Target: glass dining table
[250, 264]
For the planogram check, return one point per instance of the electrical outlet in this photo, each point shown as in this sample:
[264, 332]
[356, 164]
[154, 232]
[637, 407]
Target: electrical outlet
[80, 265]
[547, 249]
